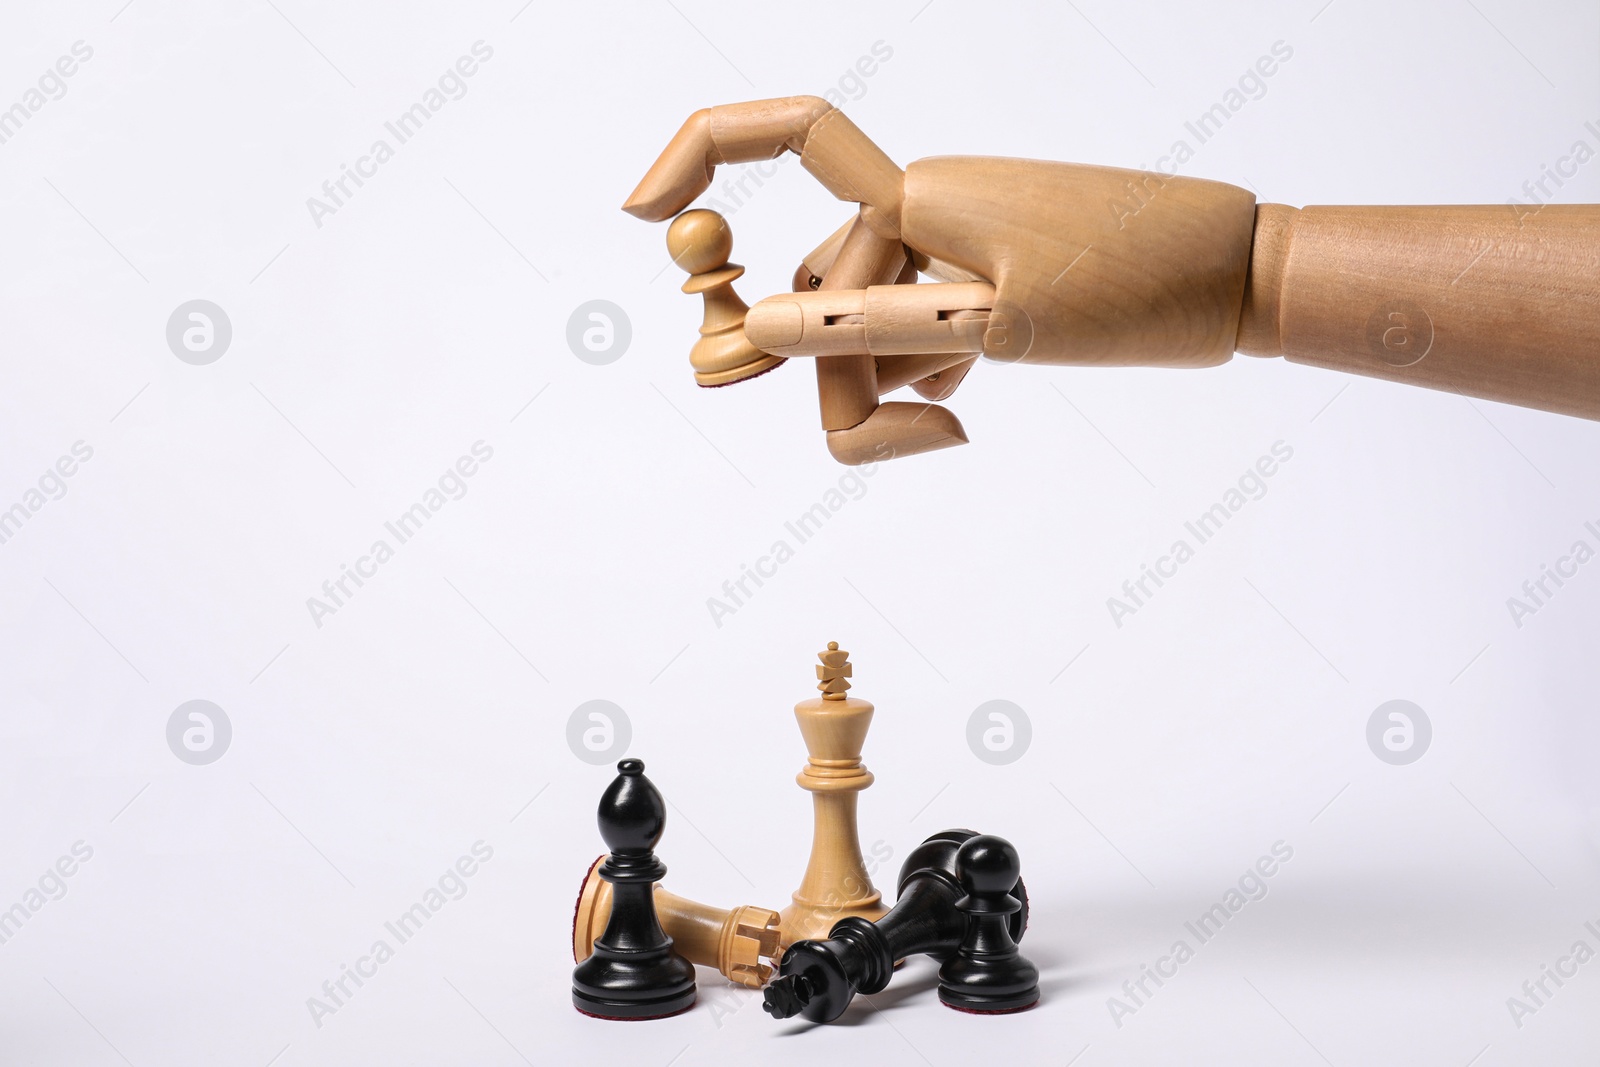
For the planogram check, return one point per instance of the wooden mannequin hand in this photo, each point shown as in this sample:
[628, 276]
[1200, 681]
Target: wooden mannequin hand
[1084, 265]
[1037, 267]
[1060, 263]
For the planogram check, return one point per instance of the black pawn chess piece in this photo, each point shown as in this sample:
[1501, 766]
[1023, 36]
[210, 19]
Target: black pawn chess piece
[818, 979]
[987, 975]
[633, 973]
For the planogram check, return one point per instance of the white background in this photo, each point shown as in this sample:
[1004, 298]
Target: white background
[369, 752]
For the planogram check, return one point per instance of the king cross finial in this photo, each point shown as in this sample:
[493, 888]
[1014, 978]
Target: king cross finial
[833, 674]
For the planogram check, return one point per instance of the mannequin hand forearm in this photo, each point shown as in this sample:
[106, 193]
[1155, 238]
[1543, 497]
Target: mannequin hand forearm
[1484, 301]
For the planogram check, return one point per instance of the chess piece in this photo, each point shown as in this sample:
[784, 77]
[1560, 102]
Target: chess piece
[987, 975]
[700, 242]
[633, 972]
[733, 940]
[817, 979]
[836, 883]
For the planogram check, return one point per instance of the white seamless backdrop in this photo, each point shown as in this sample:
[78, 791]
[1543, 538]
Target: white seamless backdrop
[388, 329]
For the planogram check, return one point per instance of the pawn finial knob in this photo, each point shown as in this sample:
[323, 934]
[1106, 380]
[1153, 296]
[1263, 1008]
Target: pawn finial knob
[700, 242]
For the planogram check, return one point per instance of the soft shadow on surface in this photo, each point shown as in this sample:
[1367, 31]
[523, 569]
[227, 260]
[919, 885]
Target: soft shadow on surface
[915, 981]
[1324, 919]
[1058, 983]
[1046, 957]
[910, 987]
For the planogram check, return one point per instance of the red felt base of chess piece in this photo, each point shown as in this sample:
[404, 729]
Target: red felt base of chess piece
[996, 1011]
[741, 381]
[577, 905]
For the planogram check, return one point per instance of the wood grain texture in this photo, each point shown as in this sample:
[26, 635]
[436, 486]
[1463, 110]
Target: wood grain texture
[896, 429]
[941, 383]
[884, 320]
[847, 385]
[1092, 266]
[1485, 301]
[924, 370]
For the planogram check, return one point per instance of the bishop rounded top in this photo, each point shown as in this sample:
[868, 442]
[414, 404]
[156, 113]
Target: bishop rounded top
[632, 814]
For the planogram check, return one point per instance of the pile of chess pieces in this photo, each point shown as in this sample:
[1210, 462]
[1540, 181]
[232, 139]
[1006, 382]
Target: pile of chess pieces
[961, 901]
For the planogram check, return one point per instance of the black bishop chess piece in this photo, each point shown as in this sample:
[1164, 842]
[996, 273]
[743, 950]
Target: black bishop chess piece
[633, 972]
[987, 975]
[818, 979]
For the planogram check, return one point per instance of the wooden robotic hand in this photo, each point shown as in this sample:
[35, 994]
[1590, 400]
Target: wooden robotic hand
[1060, 263]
